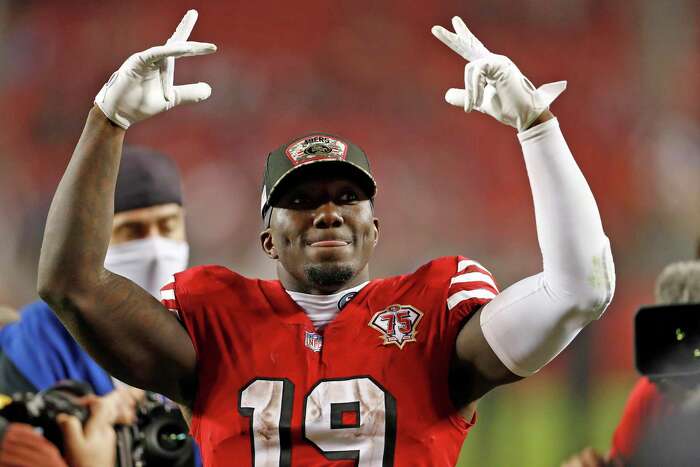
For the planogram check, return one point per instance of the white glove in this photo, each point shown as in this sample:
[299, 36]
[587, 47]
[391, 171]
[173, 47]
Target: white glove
[143, 85]
[493, 84]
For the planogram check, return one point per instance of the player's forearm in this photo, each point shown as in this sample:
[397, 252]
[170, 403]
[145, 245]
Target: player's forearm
[79, 223]
[531, 321]
[575, 250]
[110, 316]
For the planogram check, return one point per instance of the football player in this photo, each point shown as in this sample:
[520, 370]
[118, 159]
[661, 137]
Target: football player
[325, 366]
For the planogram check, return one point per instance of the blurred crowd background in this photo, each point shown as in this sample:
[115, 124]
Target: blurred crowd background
[450, 183]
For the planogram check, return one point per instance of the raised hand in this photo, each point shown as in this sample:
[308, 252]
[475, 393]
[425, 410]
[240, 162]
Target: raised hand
[492, 83]
[143, 85]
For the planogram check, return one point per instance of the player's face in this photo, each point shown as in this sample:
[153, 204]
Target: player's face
[164, 220]
[322, 232]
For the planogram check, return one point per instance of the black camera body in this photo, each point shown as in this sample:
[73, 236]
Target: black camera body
[41, 409]
[667, 341]
[158, 438]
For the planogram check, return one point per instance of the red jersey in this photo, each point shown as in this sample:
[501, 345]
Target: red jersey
[645, 406]
[370, 389]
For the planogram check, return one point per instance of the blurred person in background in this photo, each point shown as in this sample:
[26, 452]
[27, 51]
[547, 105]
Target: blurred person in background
[147, 245]
[673, 442]
[311, 384]
[653, 400]
[92, 444]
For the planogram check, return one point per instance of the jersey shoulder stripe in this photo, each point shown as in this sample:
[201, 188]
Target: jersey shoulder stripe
[471, 283]
[168, 299]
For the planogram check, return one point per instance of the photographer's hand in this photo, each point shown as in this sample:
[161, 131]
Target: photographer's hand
[125, 400]
[589, 457]
[92, 445]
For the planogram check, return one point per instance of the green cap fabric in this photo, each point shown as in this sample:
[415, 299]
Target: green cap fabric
[311, 150]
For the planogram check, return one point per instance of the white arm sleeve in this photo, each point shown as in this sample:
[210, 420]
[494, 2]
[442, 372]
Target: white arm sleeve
[530, 322]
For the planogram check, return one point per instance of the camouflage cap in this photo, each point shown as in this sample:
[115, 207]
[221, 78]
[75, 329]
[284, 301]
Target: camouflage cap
[312, 150]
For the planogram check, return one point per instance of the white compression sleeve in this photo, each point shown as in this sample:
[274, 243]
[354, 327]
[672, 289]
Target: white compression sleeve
[530, 322]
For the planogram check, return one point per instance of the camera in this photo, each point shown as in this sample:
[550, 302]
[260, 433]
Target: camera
[41, 409]
[158, 438]
[667, 342]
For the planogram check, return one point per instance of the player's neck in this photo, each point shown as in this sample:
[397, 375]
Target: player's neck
[322, 309]
[294, 284]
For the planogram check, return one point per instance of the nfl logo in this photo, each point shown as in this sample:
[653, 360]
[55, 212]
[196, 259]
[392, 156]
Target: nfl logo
[313, 341]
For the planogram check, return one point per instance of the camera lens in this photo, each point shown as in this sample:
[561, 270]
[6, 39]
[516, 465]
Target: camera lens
[164, 440]
[171, 437]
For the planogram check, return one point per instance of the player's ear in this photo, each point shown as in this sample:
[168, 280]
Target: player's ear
[376, 230]
[267, 244]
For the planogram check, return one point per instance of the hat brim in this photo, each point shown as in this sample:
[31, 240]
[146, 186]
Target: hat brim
[336, 167]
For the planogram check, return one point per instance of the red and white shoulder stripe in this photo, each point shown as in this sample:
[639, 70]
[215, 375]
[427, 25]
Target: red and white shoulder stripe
[472, 283]
[167, 297]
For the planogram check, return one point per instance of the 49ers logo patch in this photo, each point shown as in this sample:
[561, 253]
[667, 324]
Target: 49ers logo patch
[316, 147]
[398, 324]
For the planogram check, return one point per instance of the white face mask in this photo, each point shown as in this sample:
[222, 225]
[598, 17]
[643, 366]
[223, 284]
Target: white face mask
[149, 262]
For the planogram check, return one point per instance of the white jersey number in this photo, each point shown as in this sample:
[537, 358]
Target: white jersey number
[268, 404]
[352, 419]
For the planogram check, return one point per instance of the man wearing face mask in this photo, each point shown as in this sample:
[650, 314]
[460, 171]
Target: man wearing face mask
[147, 245]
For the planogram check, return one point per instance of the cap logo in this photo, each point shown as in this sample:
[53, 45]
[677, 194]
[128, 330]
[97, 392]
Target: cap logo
[315, 147]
